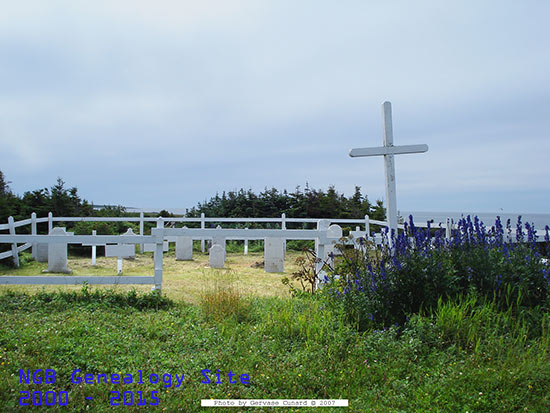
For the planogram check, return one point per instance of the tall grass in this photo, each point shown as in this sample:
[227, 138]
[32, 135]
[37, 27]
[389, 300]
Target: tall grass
[464, 354]
[221, 297]
[474, 323]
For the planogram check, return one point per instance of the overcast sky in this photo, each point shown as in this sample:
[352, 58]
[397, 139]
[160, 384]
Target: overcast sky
[165, 103]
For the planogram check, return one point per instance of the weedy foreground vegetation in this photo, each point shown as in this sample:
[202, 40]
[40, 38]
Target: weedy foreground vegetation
[468, 331]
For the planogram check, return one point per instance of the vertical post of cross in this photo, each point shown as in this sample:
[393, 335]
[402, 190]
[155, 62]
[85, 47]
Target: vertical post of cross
[50, 222]
[389, 168]
[14, 251]
[448, 228]
[388, 150]
[158, 255]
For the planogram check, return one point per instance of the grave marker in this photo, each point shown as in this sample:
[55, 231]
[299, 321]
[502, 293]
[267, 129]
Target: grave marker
[334, 231]
[217, 256]
[388, 151]
[121, 251]
[150, 247]
[274, 254]
[57, 253]
[94, 246]
[184, 248]
[219, 240]
[41, 252]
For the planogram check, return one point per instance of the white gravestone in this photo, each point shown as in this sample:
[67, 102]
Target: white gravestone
[388, 151]
[323, 252]
[334, 231]
[217, 256]
[41, 252]
[57, 253]
[184, 248]
[274, 254]
[219, 240]
[150, 247]
[120, 250]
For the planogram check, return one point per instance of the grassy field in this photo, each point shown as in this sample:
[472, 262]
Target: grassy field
[464, 356]
[182, 280]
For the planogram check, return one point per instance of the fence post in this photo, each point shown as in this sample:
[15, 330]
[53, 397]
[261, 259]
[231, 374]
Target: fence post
[367, 226]
[158, 256]
[33, 232]
[448, 229]
[322, 225]
[246, 245]
[50, 222]
[94, 250]
[14, 251]
[141, 231]
[202, 227]
[283, 226]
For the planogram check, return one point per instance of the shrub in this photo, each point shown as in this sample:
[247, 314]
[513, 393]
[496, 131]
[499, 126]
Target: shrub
[307, 273]
[421, 266]
[62, 300]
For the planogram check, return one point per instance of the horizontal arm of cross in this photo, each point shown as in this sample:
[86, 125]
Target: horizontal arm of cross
[388, 150]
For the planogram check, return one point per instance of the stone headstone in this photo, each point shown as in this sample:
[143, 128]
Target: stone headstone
[120, 250]
[217, 256]
[334, 231]
[184, 248]
[219, 240]
[150, 247]
[274, 254]
[57, 253]
[41, 252]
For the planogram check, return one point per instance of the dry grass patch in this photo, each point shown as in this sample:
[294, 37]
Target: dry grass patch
[182, 280]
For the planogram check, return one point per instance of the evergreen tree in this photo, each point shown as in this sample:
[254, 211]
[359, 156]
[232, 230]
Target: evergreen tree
[310, 203]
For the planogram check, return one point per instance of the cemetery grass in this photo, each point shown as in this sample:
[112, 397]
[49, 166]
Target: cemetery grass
[290, 348]
[464, 355]
[182, 280]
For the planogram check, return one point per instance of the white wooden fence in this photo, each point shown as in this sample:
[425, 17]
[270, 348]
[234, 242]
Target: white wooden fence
[324, 235]
[282, 221]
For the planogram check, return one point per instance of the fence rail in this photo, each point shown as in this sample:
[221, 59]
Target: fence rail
[325, 234]
[160, 234]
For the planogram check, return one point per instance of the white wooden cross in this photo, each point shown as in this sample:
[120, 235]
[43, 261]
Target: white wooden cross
[388, 150]
[121, 251]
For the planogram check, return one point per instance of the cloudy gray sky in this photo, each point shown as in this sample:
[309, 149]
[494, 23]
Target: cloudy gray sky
[165, 103]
